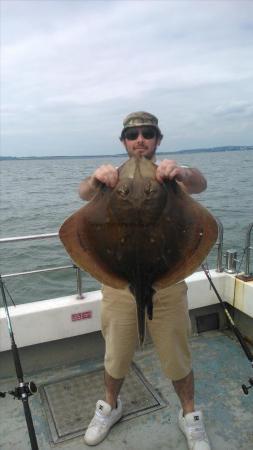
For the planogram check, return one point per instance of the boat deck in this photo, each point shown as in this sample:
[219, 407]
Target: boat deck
[151, 405]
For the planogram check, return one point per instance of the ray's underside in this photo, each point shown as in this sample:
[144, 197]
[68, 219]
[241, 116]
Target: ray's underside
[141, 234]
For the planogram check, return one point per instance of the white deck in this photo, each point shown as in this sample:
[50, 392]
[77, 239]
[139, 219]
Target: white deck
[219, 363]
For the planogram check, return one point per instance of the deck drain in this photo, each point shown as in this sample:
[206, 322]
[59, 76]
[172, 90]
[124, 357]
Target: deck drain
[69, 404]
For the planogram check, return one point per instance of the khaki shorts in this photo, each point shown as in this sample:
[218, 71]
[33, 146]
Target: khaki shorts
[169, 329]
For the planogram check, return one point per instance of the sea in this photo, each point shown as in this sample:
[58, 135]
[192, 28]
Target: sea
[37, 195]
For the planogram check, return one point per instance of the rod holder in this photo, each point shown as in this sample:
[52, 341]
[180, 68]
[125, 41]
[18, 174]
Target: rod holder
[79, 283]
[219, 244]
[231, 259]
[248, 248]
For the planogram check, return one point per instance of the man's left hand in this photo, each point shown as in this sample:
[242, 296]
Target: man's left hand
[168, 170]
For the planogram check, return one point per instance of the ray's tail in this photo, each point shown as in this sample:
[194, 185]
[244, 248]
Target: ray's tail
[141, 319]
[143, 298]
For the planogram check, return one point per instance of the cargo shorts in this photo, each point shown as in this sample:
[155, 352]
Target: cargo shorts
[169, 329]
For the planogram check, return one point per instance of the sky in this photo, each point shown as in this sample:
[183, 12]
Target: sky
[71, 70]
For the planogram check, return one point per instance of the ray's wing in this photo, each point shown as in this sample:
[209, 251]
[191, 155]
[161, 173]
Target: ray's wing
[90, 236]
[189, 232]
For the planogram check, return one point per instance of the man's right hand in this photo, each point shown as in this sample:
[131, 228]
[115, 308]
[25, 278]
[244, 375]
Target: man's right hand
[107, 174]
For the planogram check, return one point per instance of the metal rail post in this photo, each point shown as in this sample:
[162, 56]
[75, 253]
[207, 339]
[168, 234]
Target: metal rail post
[79, 283]
[248, 248]
[219, 265]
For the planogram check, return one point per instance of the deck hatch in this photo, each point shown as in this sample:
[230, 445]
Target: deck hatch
[208, 322]
[69, 404]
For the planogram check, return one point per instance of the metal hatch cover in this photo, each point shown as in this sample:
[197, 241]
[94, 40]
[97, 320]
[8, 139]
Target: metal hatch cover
[69, 404]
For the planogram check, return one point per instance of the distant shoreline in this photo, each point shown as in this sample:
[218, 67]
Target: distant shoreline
[119, 155]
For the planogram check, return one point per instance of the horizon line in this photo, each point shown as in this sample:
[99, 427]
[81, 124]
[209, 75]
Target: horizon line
[193, 150]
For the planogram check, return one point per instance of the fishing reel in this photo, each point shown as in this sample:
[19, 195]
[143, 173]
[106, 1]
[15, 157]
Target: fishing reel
[246, 388]
[24, 390]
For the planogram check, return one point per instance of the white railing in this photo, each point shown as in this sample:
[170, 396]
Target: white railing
[49, 269]
[219, 264]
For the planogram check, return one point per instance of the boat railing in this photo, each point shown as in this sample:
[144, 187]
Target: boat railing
[219, 244]
[48, 269]
[246, 275]
[219, 261]
[247, 250]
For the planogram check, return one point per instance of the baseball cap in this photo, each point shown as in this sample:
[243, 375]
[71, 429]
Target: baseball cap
[138, 119]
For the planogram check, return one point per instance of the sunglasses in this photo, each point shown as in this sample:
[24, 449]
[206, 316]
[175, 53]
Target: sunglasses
[132, 133]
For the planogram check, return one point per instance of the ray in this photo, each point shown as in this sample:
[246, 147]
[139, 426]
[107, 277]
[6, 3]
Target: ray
[142, 234]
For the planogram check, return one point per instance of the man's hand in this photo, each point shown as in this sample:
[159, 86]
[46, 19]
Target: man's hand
[168, 170]
[190, 179]
[107, 174]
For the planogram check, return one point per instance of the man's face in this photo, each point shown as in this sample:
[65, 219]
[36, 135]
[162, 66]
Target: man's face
[138, 145]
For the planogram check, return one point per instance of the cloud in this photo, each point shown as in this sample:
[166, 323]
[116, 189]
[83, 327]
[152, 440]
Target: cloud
[67, 63]
[237, 108]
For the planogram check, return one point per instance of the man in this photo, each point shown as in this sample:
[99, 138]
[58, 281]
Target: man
[170, 326]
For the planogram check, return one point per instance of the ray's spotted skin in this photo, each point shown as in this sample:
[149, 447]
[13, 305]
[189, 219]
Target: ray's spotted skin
[142, 233]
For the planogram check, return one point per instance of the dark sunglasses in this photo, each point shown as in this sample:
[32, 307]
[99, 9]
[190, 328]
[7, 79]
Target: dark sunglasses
[132, 133]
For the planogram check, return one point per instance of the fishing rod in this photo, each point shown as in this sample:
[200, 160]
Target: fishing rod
[24, 389]
[236, 331]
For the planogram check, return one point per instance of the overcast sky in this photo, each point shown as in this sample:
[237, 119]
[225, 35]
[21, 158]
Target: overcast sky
[71, 70]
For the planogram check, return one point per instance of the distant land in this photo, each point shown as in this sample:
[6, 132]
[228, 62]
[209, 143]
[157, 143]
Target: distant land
[230, 148]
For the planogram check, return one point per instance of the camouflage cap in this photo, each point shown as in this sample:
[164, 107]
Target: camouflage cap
[141, 118]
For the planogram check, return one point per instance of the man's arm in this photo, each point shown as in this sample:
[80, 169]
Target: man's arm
[105, 174]
[88, 188]
[191, 179]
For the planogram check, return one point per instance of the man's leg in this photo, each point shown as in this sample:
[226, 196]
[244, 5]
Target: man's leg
[170, 329]
[112, 389]
[107, 413]
[119, 329]
[118, 319]
[185, 391]
[190, 421]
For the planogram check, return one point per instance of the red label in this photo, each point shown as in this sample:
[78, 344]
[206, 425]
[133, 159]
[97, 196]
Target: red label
[81, 316]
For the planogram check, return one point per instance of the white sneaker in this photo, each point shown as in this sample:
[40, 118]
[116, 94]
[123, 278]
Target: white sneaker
[192, 426]
[104, 418]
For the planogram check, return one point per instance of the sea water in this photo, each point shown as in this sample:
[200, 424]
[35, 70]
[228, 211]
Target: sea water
[37, 195]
